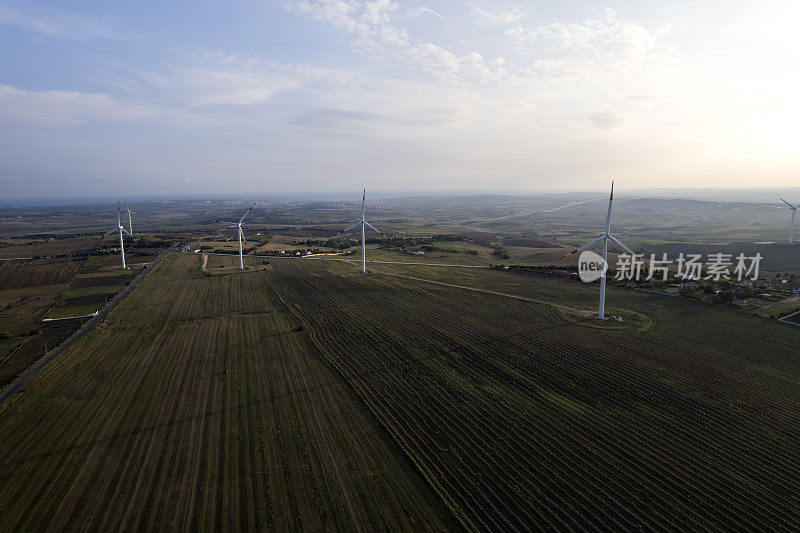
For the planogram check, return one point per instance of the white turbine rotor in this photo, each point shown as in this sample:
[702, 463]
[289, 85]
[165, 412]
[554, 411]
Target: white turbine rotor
[364, 224]
[604, 238]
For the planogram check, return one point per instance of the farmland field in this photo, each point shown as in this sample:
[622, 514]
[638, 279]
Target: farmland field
[46, 247]
[20, 313]
[28, 289]
[201, 403]
[36, 273]
[98, 281]
[46, 277]
[524, 417]
[303, 394]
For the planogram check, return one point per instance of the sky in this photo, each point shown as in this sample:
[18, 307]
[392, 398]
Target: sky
[145, 98]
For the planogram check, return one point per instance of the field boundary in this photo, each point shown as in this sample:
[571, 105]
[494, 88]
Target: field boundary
[33, 371]
[67, 317]
[484, 291]
[786, 321]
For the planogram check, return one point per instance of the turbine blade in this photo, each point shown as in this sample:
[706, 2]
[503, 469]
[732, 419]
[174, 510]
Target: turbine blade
[109, 232]
[787, 203]
[126, 231]
[576, 250]
[363, 203]
[247, 212]
[350, 227]
[608, 216]
[373, 227]
[621, 245]
[118, 219]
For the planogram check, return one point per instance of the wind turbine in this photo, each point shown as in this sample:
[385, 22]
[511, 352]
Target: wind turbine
[363, 223]
[121, 231]
[241, 233]
[130, 221]
[794, 216]
[604, 236]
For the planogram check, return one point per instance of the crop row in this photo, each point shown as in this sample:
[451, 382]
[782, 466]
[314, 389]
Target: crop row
[523, 418]
[200, 404]
[19, 274]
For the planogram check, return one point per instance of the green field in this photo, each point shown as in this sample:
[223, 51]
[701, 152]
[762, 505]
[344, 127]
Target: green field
[306, 395]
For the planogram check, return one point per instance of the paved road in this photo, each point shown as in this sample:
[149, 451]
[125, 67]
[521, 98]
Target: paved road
[101, 315]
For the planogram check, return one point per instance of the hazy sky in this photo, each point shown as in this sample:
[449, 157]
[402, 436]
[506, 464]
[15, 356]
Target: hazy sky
[189, 97]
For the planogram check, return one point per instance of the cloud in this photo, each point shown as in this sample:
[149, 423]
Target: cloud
[342, 125]
[369, 26]
[603, 35]
[606, 120]
[202, 80]
[604, 49]
[239, 85]
[421, 11]
[603, 46]
[58, 109]
[334, 118]
[377, 11]
[57, 23]
[492, 17]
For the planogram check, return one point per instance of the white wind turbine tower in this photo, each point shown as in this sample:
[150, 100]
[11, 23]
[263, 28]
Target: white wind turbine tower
[363, 223]
[130, 220]
[794, 216]
[121, 231]
[604, 236]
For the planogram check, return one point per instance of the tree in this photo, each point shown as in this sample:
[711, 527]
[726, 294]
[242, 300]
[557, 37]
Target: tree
[724, 297]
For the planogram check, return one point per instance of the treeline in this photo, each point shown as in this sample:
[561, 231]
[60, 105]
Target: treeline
[501, 252]
[426, 244]
[565, 271]
[153, 242]
[423, 243]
